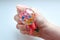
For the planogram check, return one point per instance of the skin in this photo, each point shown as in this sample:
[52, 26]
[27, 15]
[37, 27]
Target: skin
[47, 30]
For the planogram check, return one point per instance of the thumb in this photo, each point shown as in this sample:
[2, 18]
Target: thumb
[40, 20]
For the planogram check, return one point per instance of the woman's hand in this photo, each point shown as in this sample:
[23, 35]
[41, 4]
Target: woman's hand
[40, 21]
[47, 30]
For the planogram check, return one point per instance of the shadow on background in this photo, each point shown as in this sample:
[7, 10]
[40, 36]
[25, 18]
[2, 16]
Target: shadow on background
[20, 36]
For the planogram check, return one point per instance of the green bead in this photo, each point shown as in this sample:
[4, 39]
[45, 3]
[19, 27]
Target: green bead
[37, 29]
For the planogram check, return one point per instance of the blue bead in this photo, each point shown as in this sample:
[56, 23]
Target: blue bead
[29, 16]
[22, 17]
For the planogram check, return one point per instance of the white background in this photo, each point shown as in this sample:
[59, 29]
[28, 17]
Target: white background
[49, 9]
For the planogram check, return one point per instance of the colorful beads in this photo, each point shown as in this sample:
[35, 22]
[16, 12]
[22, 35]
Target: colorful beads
[28, 16]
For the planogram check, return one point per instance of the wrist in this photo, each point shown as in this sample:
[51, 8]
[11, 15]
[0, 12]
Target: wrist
[43, 28]
[48, 32]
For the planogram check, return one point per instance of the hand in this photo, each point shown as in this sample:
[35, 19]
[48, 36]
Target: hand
[40, 21]
[47, 30]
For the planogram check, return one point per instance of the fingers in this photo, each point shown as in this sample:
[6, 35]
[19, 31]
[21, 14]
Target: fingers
[17, 19]
[23, 29]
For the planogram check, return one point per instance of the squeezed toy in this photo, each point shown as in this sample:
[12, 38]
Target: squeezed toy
[27, 16]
